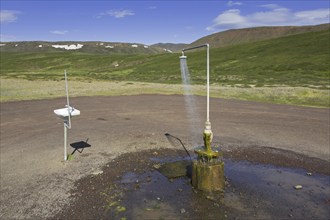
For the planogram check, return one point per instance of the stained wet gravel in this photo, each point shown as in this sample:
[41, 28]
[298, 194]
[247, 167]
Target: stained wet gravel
[260, 184]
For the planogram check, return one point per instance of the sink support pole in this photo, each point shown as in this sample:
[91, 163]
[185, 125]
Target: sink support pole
[65, 139]
[67, 122]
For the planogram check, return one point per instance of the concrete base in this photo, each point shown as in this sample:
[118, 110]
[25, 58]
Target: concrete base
[208, 176]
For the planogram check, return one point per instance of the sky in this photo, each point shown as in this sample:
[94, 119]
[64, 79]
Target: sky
[148, 22]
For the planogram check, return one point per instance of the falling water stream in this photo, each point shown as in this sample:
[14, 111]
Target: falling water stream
[195, 125]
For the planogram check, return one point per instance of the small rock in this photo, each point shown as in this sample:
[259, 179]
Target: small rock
[155, 153]
[182, 211]
[97, 172]
[158, 198]
[156, 166]
[309, 174]
[180, 190]
[298, 187]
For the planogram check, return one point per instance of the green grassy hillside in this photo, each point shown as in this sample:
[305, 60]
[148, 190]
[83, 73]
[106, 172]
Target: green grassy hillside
[298, 60]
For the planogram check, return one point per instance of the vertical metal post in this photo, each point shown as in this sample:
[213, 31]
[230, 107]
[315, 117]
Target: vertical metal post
[65, 139]
[208, 83]
[67, 99]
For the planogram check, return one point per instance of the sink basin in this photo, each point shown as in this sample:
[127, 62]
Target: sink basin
[64, 112]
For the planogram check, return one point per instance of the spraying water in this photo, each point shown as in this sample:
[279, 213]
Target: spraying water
[190, 103]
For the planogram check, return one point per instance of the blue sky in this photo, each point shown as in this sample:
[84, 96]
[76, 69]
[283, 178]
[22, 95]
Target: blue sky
[148, 22]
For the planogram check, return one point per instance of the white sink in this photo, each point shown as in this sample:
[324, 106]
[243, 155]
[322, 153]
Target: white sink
[64, 112]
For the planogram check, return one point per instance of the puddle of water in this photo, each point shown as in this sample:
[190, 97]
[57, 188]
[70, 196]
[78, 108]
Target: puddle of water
[269, 191]
[253, 191]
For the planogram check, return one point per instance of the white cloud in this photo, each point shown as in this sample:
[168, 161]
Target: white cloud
[314, 15]
[8, 16]
[116, 13]
[232, 3]
[228, 19]
[273, 16]
[59, 32]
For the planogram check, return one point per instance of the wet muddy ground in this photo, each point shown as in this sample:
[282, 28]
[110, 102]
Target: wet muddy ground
[132, 186]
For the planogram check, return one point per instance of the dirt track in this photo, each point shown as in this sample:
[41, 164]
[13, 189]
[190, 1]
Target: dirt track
[35, 182]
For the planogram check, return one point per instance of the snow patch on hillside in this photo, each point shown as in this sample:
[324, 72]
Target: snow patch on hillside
[69, 47]
[167, 50]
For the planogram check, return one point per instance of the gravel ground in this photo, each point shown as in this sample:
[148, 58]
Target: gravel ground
[37, 183]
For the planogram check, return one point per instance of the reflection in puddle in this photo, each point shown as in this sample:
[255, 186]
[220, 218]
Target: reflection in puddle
[252, 191]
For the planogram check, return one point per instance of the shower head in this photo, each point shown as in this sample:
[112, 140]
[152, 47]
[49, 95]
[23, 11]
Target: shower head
[183, 56]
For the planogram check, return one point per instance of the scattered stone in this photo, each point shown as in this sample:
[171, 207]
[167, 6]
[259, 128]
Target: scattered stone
[97, 172]
[182, 211]
[120, 208]
[180, 190]
[298, 187]
[156, 166]
[158, 198]
[309, 174]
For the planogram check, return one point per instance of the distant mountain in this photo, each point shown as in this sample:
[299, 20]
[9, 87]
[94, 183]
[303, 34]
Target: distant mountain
[170, 46]
[248, 35]
[81, 46]
[220, 39]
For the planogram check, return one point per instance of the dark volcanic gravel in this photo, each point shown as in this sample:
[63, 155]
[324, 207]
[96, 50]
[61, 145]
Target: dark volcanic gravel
[103, 196]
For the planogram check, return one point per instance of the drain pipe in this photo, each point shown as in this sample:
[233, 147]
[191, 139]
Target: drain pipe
[184, 147]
